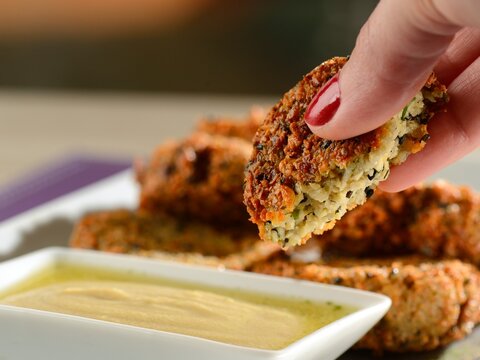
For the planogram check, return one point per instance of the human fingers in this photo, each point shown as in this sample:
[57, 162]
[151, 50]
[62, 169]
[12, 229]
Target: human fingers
[453, 134]
[395, 52]
[463, 50]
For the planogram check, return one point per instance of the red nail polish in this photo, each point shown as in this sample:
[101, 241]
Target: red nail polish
[325, 103]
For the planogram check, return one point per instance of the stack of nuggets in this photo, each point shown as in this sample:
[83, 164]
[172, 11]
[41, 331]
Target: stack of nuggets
[191, 206]
[435, 301]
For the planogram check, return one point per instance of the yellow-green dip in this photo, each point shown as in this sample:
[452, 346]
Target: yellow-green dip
[229, 316]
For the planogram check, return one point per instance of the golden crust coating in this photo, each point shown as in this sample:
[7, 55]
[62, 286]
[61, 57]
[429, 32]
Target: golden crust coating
[433, 302]
[288, 157]
[241, 260]
[244, 129]
[159, 236]
[437, 220]
[199, 178]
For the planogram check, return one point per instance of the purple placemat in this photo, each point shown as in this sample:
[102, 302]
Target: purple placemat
[54, 180]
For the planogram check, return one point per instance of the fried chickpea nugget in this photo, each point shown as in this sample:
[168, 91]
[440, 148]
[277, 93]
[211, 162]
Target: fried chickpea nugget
[433, 302]
[439, 220]
[244, 129]
[200, 178]
[298, 183]
[160, 236]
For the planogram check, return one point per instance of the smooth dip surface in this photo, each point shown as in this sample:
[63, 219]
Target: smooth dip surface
[232, 317]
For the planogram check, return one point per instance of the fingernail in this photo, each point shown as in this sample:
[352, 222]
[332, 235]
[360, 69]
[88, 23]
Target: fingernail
[325, 103]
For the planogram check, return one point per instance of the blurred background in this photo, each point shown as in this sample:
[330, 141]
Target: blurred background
[117, 77]
[201, 46]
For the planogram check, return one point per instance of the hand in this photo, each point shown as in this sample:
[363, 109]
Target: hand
[396, 50]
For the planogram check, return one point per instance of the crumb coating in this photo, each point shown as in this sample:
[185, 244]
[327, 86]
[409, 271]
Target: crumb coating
[298, 184]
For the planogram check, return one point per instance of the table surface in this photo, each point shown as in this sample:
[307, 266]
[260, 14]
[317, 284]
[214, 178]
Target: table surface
[37, 127]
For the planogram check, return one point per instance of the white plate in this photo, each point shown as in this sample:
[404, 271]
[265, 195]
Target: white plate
[51, 223]
[34, 334]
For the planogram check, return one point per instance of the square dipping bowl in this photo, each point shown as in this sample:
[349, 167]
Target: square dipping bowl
[34, 334]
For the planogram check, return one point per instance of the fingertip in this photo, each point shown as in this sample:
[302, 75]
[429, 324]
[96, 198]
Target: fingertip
[409, 173]
[316, 130]
[393, 185]
[324, 106]
[324, 133]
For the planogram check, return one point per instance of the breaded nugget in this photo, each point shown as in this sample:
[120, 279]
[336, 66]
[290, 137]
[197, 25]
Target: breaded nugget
[199, 178]
[244, 129]
[437, 220]
[234, 261]
[298, 183]
[124, 231]
[433, 302]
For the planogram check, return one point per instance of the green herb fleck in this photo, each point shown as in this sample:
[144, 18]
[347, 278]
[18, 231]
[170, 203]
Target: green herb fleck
[295, 214]
[404, 113]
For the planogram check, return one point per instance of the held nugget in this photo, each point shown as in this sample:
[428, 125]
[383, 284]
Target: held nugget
[298, 184]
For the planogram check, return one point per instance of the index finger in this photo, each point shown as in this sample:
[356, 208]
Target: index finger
[395, 52]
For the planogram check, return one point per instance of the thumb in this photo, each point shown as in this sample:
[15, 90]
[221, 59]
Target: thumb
[395, 53]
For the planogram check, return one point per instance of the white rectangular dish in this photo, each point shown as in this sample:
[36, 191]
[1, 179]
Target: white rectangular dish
[34, 334]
